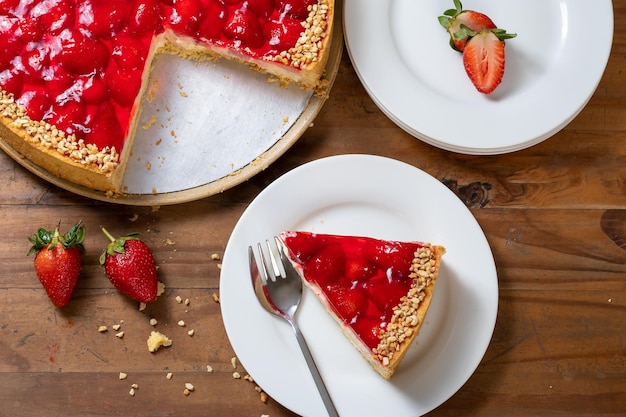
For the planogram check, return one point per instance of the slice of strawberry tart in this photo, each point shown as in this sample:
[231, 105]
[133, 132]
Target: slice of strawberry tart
[73, 72]
[378, 291]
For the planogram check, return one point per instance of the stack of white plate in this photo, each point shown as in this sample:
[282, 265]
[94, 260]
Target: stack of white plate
[553, 66]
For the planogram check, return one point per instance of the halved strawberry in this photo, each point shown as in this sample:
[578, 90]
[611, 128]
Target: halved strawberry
[144, 17]
[463, 24]
[282, 33]
[359, 269]
[483, 59]
[186, 15]
[213, 20]
[348, 302]
[327, 264]
[386, 294]
[368, 329]
[243, 26]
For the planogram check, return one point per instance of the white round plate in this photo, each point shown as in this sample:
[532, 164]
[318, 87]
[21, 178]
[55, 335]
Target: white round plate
[402, 55]
[378, 197]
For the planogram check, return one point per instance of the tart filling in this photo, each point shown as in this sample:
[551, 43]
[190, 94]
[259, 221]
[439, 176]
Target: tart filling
[377, 290]
[72, 72]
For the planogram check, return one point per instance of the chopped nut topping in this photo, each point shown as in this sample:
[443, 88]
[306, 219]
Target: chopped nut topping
[45, 135]
[102, 329]
[308, 46]
[404, 318]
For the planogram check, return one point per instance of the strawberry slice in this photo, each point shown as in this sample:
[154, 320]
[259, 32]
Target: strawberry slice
[348, 302]
[483, 59]
[368, 329]
[463, 24]
[243, 27]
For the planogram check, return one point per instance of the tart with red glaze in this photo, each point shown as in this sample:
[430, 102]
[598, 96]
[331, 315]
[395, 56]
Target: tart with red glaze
[378, 291]
[73, 72]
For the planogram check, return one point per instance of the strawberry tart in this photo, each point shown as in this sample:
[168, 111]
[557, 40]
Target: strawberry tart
[378, 291]
[73, 73]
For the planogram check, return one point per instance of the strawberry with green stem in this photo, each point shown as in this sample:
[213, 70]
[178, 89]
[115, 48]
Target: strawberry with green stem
[58, 260]
[130, 266]
[481, 42]
[463, 24]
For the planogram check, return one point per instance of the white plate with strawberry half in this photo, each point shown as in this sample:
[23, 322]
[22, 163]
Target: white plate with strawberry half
[402, 55]
[351, 195]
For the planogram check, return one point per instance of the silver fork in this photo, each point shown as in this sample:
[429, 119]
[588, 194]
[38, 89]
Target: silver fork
[279, 292]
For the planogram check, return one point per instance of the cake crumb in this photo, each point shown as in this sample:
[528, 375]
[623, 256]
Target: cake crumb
[102, 329]
[153, 322]
[209, 369]
[116, 327]
[123, 375]
[150, 122]
[233, 362]
[156, 340]
[181, 323]
[215, 257]
[236, 375]
[215, 297]
[169, 375]
[178, 299]
[119, 335]
[160, 288]
[191, 332]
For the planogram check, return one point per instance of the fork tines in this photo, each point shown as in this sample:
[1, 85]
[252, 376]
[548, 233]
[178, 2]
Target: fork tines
[272, 268]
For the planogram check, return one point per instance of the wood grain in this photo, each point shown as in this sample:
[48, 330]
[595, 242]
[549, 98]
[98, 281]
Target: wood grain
[554, 216]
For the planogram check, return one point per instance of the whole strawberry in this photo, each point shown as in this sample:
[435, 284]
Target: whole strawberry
[130, 266]
[58, 259]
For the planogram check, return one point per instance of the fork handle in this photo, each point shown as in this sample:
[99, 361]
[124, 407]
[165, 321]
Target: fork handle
[319, 382]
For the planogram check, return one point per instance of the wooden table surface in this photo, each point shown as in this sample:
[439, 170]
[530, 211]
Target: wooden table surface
[554, 215]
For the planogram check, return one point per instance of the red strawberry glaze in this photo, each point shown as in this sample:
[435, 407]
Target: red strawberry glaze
[78, 64]
[363, 278]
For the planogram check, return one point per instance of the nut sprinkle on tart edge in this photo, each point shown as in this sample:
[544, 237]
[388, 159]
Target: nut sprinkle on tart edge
[377, 291]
